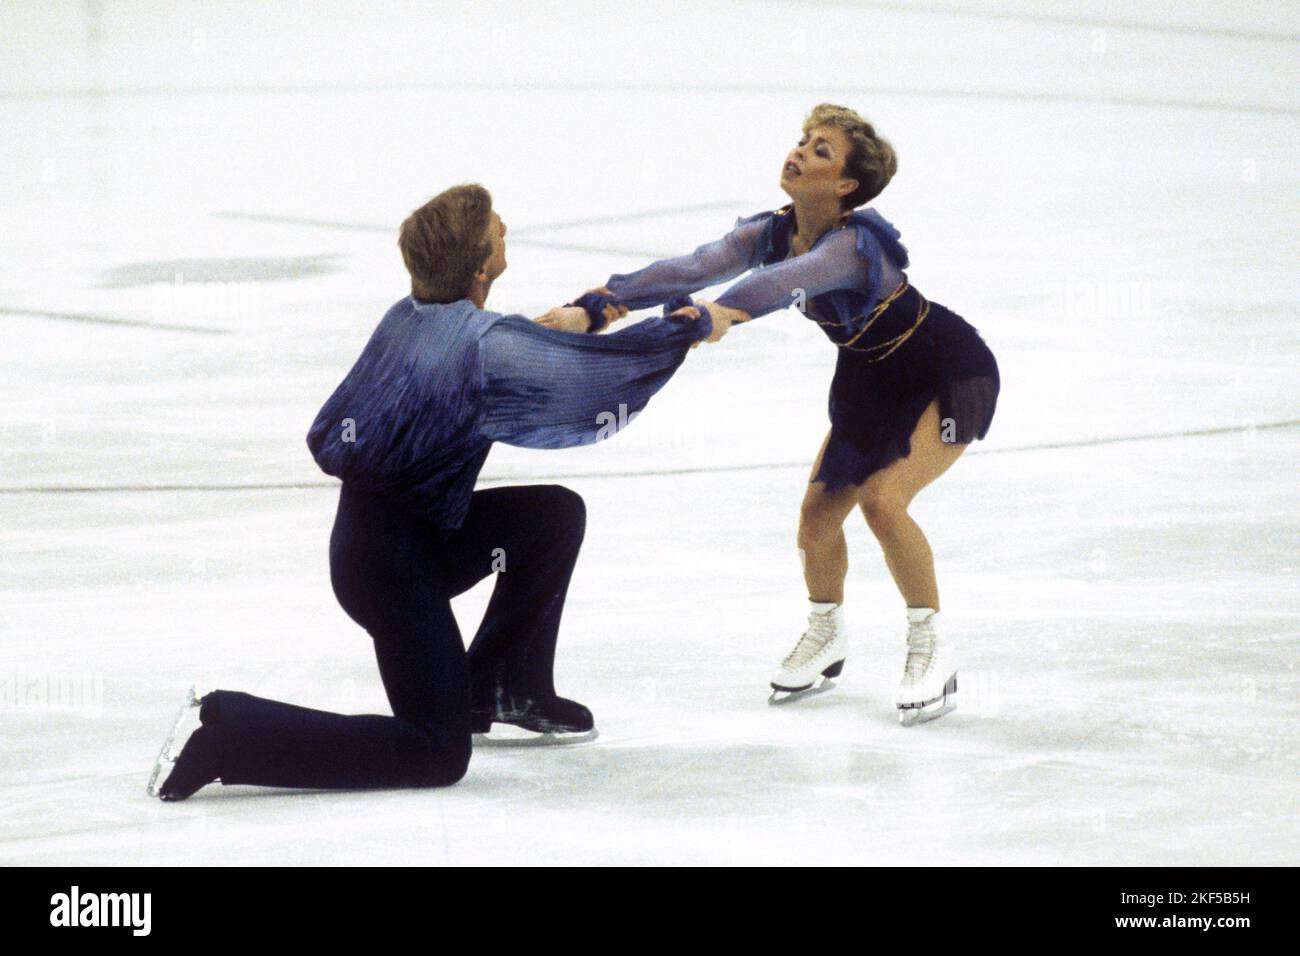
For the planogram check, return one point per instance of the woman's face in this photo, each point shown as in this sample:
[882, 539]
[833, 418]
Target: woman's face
[814, 168]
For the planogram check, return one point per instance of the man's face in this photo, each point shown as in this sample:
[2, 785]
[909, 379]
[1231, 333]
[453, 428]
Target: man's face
[496, 263]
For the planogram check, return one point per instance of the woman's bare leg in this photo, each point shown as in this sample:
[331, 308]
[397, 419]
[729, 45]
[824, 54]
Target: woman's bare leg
[822, 547]
[885, 497]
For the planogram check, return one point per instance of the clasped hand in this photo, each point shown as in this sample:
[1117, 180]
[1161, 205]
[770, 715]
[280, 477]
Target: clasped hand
[573, 318]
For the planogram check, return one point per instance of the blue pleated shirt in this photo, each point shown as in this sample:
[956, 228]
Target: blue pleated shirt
[438, 383]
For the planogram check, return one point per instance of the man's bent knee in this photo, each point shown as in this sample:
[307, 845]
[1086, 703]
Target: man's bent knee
[564, 505]
[442, 765]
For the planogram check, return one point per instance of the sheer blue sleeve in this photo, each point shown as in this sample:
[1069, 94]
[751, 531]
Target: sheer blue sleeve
[833, 263]
[711, 263]
[548, 389]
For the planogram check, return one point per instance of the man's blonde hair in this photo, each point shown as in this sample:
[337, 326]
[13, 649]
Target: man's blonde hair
[871, 160]
[445, 242]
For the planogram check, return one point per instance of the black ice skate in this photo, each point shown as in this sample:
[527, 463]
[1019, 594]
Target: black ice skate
[555, 720]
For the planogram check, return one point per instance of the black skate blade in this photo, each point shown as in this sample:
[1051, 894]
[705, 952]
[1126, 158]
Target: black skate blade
[783, 695]
[507, 736]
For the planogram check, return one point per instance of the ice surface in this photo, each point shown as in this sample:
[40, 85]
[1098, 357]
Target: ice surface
[199, 233]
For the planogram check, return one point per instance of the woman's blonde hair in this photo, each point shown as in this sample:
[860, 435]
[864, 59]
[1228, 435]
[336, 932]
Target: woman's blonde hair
[871, 160]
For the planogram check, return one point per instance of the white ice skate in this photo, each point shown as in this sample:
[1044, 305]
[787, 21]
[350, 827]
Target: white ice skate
[188, 713]
[929, 679]
[816, 659]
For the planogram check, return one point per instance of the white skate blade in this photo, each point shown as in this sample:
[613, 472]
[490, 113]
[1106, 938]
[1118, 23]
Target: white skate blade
[510, 736]
[166, 759]
[912, 714]
[782, 696]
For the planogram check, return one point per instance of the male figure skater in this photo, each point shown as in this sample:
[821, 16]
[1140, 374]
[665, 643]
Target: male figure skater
[407, 431]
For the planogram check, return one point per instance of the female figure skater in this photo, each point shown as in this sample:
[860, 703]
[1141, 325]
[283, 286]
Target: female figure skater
[407, 431]
[914, 383]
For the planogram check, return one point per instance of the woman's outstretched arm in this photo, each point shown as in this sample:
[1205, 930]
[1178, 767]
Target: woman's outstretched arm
[710, 264]
[834, 263]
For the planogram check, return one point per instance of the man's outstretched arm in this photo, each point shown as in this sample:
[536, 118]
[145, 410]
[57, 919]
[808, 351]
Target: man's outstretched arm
[547, 389]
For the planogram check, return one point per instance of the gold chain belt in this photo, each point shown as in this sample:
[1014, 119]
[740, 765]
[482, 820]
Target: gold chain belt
[893, 344]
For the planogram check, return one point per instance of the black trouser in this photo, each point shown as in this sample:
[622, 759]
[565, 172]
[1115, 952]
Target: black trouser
[395, 576]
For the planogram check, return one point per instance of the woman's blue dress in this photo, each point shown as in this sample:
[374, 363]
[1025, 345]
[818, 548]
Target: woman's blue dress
[898, 352]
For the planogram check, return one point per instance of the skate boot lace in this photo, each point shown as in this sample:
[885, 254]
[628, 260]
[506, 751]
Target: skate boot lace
[820, 631]
[920, 650]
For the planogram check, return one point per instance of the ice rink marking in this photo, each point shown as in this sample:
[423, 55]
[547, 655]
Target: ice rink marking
[648, 473]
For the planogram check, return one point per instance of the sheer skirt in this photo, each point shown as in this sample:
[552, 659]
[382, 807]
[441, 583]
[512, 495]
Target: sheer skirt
[875, 404]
